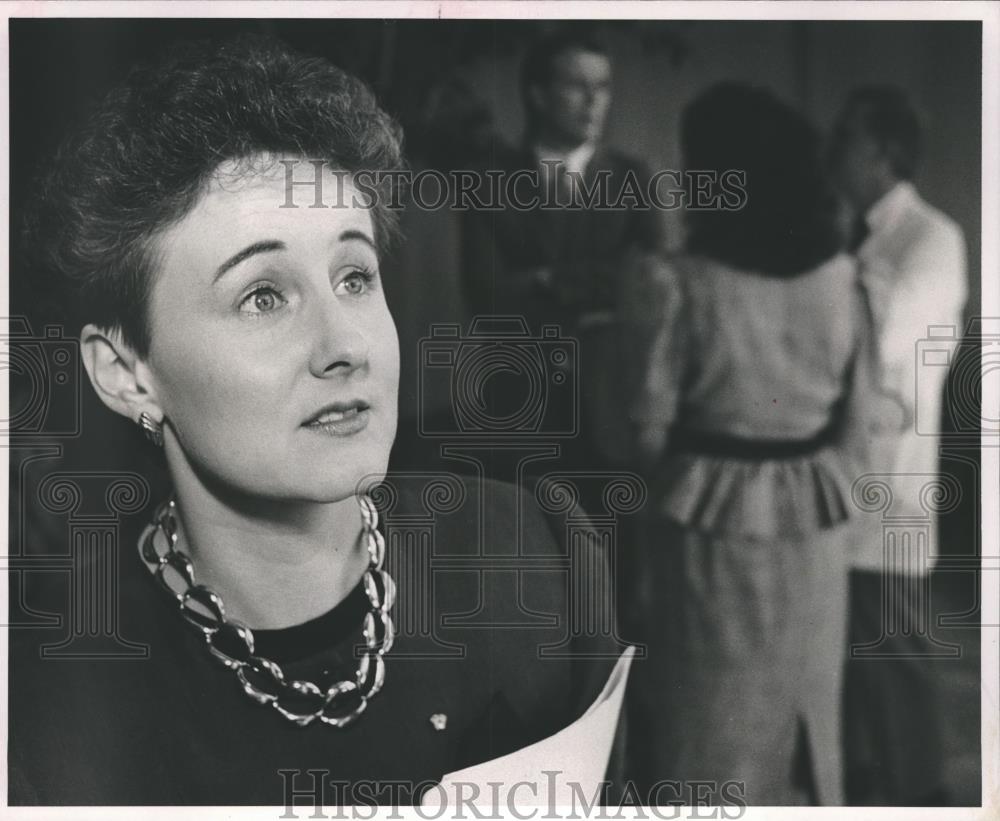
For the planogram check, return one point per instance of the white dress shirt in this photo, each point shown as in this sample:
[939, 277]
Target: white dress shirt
[573, 161]
[568, 166]
[914, 263]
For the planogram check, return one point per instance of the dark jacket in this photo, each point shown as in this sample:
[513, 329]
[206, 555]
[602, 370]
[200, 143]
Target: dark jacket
[583, 247]
[486, 636]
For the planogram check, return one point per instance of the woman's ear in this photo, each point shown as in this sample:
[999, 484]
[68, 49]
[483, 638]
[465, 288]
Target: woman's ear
[118, 374]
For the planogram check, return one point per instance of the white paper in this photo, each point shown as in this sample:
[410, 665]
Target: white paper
[565, 768]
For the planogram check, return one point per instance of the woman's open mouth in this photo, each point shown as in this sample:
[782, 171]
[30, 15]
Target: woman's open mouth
[340, 418]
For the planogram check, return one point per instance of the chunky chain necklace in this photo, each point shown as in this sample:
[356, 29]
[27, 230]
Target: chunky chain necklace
[233, 644]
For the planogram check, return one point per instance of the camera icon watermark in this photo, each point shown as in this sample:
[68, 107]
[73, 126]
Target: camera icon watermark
[502, 380]
[45, 381]
[971, 360]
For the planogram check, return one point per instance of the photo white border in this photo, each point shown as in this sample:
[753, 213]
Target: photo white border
[988, 13]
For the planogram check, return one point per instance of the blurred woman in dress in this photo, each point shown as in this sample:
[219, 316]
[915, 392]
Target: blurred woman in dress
[744, 416]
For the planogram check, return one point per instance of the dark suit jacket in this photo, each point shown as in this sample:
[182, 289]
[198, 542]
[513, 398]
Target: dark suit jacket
[583, 247]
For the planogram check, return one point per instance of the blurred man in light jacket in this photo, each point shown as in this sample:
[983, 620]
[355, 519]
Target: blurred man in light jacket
[913, 260]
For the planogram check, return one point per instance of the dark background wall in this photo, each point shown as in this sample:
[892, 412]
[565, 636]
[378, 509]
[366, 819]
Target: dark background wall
[812, 65]
[58, 66]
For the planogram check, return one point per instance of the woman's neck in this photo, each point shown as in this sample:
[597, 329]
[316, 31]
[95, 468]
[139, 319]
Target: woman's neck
[273, 565]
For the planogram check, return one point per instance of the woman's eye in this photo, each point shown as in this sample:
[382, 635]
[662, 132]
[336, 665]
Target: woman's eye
[357, 283]
[262, 300]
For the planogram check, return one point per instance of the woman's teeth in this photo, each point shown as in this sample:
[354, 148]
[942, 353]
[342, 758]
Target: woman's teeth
[335, 416]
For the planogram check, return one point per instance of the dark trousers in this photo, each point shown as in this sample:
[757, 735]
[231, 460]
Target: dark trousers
[893, 735]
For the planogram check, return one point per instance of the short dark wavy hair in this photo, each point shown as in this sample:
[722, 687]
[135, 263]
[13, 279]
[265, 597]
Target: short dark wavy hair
[789, 222]
[143, 158]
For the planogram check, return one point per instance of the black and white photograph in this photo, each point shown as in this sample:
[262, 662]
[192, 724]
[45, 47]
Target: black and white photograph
[453, 409]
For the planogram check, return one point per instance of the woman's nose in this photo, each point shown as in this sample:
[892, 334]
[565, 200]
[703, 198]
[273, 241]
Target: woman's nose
[339, 346]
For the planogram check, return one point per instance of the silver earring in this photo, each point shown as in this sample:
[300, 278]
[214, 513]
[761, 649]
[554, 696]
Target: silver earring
[152, 430]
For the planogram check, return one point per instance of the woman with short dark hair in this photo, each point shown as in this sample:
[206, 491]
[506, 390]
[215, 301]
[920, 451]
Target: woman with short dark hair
[247, 334]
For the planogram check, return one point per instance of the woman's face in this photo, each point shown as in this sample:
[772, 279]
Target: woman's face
[273, 354]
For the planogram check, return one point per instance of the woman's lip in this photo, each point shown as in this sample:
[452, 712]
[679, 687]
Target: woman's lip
[336, 408]
[352, 422]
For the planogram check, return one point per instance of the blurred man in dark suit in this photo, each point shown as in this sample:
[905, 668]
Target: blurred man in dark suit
[553, 250]
[572, 210]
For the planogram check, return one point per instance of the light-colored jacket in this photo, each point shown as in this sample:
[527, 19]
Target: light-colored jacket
[913, 263]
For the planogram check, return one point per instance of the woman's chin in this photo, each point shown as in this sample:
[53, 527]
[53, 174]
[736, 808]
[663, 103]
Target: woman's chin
[361, 480]
[324, 472]
[319, 486]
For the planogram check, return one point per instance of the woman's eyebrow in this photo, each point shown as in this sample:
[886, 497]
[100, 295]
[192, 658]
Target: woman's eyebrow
[257, 248]
[361, 235]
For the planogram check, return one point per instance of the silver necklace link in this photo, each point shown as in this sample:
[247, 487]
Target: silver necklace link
[232, 642]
